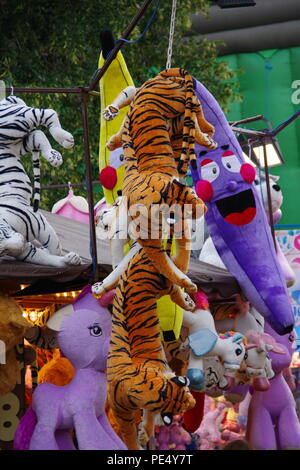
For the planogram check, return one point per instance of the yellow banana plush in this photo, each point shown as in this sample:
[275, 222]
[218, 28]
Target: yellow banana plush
[111, 164]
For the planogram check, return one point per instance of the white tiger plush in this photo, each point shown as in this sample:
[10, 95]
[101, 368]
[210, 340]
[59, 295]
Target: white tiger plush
[20, 225]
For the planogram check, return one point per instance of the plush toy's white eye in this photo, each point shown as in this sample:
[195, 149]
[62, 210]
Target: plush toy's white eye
[209, 170]
[231, 162]
[117, 158]
[95, 330]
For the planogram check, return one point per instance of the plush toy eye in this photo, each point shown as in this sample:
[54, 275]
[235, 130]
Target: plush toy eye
[231, 162]
[209, 171]
[238, 351]
[291, 338]
[95, 330]
[246, 356]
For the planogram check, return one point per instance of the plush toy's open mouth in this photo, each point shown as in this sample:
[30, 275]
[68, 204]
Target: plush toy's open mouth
[239, 209]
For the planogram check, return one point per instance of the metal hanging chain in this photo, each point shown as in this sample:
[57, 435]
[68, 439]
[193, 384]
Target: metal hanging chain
[171, 35]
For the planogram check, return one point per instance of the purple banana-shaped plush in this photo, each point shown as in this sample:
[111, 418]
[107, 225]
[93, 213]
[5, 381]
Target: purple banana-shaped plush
[236, 219]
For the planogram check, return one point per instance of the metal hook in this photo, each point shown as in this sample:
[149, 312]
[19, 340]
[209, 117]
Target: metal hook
[12, 91]
[70, 185]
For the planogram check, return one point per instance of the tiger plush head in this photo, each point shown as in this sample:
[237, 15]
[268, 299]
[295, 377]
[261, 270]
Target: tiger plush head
[11, 242]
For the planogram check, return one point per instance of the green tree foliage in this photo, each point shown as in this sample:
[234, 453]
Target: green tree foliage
[49, 43]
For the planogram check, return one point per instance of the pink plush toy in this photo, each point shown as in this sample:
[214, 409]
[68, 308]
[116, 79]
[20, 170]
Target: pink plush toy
[209, 432]
[173, 437]
[73, 207]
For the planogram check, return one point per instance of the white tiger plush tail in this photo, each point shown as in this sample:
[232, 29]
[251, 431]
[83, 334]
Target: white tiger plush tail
[36, 180]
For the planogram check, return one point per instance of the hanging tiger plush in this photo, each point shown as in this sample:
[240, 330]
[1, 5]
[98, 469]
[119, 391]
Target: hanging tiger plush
[20, 225]
[137, 372]
[154, 160]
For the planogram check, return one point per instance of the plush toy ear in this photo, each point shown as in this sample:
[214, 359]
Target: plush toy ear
[237, 338]
[21, 322]
[202, 341]
[54, 323]
[107, 298]
[277, 348]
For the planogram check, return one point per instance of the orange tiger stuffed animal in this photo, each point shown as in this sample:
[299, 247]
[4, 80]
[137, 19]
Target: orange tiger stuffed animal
[137, 372]
[138, 377]
[154, 160]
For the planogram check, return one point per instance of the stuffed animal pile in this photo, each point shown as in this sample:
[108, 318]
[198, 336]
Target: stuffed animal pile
[172, 123]
[218, 352]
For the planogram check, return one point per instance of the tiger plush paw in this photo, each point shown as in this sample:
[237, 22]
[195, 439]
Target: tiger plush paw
[110, 112]
[53, 157]
[189, 303]
[98, 288]
[64, 138]
[190, 287]
[209, 142]
[114, 142]
[182, 299]
[71, 259]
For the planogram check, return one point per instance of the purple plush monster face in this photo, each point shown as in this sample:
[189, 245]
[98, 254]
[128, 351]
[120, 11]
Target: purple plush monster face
[236, 219]
[84, 334]
[225, 181]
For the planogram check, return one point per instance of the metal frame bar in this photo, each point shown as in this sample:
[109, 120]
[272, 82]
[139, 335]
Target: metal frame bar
[261, 138]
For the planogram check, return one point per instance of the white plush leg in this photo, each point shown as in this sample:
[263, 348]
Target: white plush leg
[37, 141]
[49, 119]
[35, 255]
[48, 237]
[113, 278]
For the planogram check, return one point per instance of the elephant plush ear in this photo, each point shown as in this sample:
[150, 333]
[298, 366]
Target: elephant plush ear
[54, 323]
[202, 341]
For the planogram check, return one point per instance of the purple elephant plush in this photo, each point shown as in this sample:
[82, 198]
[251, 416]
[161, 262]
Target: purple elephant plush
[236, 219]
[84, 330]
[272, 418]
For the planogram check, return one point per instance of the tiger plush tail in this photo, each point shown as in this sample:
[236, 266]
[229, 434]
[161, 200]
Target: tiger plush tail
[25, 430]
[36, 179]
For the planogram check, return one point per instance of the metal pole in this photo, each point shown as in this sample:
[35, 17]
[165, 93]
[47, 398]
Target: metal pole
[42, 90]
[244, 121]
[285, 124]
[119, 44]
[89, 179]
[65, 185]
[271, 220]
